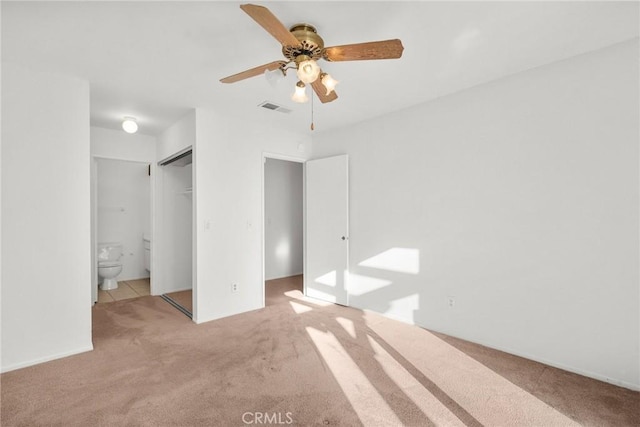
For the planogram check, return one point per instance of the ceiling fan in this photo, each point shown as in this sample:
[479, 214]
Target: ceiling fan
[302, 47]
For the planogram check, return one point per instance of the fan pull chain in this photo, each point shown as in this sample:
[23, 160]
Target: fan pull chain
[312, 96]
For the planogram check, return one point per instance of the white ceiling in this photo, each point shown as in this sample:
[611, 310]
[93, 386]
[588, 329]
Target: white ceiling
[157, 60]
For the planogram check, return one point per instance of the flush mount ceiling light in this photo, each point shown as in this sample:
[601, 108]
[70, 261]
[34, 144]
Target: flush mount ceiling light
[130, 125]
[303, 47]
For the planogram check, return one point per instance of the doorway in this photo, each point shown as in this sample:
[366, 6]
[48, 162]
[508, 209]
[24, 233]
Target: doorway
[121, 226]
[283, 216]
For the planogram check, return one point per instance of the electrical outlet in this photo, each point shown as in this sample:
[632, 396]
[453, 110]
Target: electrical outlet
[234, 287]
[451, 301]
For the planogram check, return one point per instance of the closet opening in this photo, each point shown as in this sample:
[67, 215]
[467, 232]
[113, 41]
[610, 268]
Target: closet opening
[176, 246]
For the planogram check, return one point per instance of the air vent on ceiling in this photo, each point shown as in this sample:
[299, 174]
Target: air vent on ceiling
[274, 107]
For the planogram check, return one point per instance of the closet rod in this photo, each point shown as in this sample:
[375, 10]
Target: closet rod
[173, 159]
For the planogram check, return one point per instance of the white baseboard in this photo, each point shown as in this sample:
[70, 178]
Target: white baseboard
[205, 320]
[46, 359]
[584, 373]
[137, 278]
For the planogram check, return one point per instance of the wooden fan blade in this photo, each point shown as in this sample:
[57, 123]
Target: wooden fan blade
[269, 22]
[321, 91]
[253, 72]
[387, 49]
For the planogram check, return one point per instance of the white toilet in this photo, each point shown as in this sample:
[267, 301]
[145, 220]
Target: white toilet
[109, 264]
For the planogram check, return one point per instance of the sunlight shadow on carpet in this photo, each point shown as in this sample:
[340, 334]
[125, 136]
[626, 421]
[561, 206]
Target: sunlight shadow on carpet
[439, 380]
[362, 395]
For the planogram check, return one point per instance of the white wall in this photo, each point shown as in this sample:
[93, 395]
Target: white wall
[283, 218]
[228, 186]
[124, 211]
[1, 274]
[520, 199]
[177, 137]
[118, 145]
[46, 274]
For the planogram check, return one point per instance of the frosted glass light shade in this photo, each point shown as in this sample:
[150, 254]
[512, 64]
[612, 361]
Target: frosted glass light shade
[329, 82]
[300, 95]
[273, 77]
[130, 125]
[308, 71]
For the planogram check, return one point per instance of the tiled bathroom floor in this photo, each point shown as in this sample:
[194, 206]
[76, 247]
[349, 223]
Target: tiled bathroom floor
[126, 289]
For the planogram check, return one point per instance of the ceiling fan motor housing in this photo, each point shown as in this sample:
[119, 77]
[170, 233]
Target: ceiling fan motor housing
[311, 44]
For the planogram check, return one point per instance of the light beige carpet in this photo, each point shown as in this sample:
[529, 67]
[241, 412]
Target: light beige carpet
[296, 359]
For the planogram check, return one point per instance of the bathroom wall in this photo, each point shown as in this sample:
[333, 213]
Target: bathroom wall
[124, 211]
[283, 218]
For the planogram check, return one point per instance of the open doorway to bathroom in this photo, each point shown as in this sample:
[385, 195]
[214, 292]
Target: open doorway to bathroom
[122, 229]
[283, 209]
[177, 208]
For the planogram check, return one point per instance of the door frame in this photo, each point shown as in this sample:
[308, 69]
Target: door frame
[160, 226]
[94, 217]
[303, 161]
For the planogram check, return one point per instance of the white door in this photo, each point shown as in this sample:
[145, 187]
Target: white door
[327, 229]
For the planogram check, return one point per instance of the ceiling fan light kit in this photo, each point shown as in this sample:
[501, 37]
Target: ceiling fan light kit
[328, 82]
[302, 46]
[274, 77]
[300, 95]
[308, 69]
